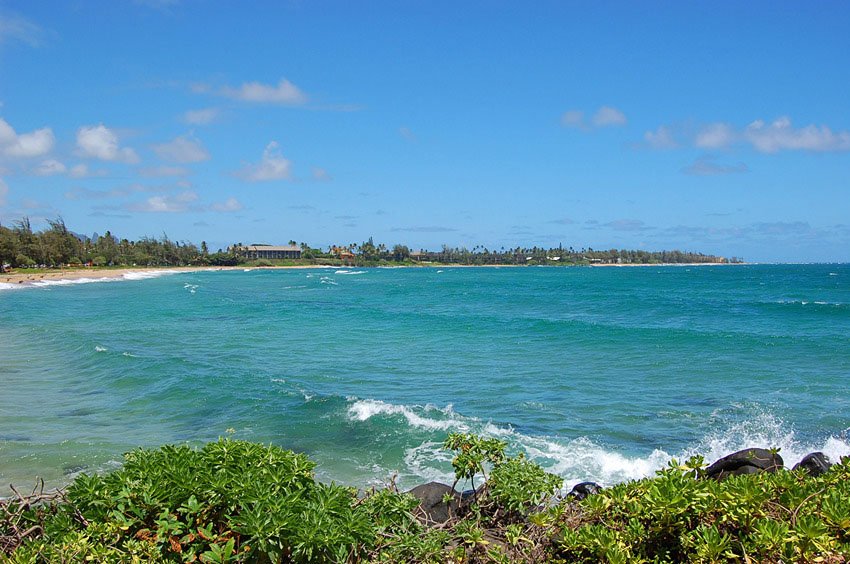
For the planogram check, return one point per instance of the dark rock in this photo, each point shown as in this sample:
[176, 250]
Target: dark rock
[747, 461]
[431, 502]
[814, 464]
[584, 489]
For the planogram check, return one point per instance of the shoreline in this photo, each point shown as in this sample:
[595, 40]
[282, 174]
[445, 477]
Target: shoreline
[37, 275]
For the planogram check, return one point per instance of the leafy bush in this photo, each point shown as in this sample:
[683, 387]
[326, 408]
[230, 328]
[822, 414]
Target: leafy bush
[234, 501]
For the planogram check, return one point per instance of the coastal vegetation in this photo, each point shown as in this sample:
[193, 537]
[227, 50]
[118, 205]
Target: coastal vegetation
[57, 246]
[236, 501]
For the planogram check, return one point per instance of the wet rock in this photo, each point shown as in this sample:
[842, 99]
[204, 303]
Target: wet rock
[431, 496]
[814, 464]
[584, 489]
[747, 461]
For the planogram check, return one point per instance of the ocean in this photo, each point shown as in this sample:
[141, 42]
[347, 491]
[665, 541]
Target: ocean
[600, 374]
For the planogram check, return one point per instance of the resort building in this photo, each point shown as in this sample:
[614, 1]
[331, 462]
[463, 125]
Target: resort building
[254, 252]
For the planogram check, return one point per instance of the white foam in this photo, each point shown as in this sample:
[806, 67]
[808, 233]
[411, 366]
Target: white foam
[362, 410]
[350, 272]
[98, 348]
[146, 274]
[581, 459]
[70, 281]
[7, 286]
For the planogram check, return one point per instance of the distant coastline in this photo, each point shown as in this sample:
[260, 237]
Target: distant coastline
[30, 277]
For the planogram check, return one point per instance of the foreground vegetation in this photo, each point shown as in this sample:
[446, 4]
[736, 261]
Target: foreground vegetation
[235, 501]
[58, 246]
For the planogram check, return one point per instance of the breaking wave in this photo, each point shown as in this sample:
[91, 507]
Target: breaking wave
[581, 458]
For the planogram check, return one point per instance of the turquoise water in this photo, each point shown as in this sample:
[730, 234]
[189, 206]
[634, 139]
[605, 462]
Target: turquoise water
[598, 373]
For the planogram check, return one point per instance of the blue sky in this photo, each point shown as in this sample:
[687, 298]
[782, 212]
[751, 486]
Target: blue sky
[721, 127]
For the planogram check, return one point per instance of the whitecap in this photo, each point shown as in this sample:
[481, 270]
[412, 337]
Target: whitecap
[98, 348]
[363, 410]
[350, 272]
[146, 274]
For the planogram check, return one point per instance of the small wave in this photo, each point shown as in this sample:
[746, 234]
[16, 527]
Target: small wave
[833, 274]
[70, 281]
[363, 410]
[328, 280]
[247, 269]
[98, 348]
[146, 274]
[7, 286]
[129, 355]
[191, 287]
[350, 272]
[580, 459]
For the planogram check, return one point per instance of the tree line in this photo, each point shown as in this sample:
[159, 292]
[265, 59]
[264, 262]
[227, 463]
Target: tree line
[57, 246]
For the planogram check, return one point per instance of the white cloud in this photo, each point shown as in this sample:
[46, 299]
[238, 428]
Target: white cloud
[165, 204]
[715, 136]
[4, 191]
[203, 116]
[82, 171]
[33, 144]
[661, 138]
[273, 166]
[230, 205]
[607, 115]
[780, 135]
[183, 149]
[284, 93]
[50, 167]
[100, 142]
[406, 133]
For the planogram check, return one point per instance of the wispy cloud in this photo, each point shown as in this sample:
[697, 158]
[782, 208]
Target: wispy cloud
[182, 149]
[272, 166]
[407, 134]
[4, 192]
[17, 28]
[706, 166]
[203, 116]
[82, 170]
[321, 175]
[605, 116]
[229, 205]
[661, 138]
[284, 93]
[100, 142]
[26, 145]
[162, 171]
[49, 167]
[178, 203]
[563, 221]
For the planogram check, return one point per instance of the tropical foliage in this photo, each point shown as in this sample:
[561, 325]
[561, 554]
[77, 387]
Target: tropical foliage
[56, 246]
[235, 501]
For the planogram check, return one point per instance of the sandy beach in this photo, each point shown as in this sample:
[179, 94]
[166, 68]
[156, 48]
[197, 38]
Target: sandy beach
[25, 277]
[34, 276]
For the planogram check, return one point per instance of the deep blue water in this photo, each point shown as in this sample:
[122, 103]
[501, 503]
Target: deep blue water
[598, 373]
